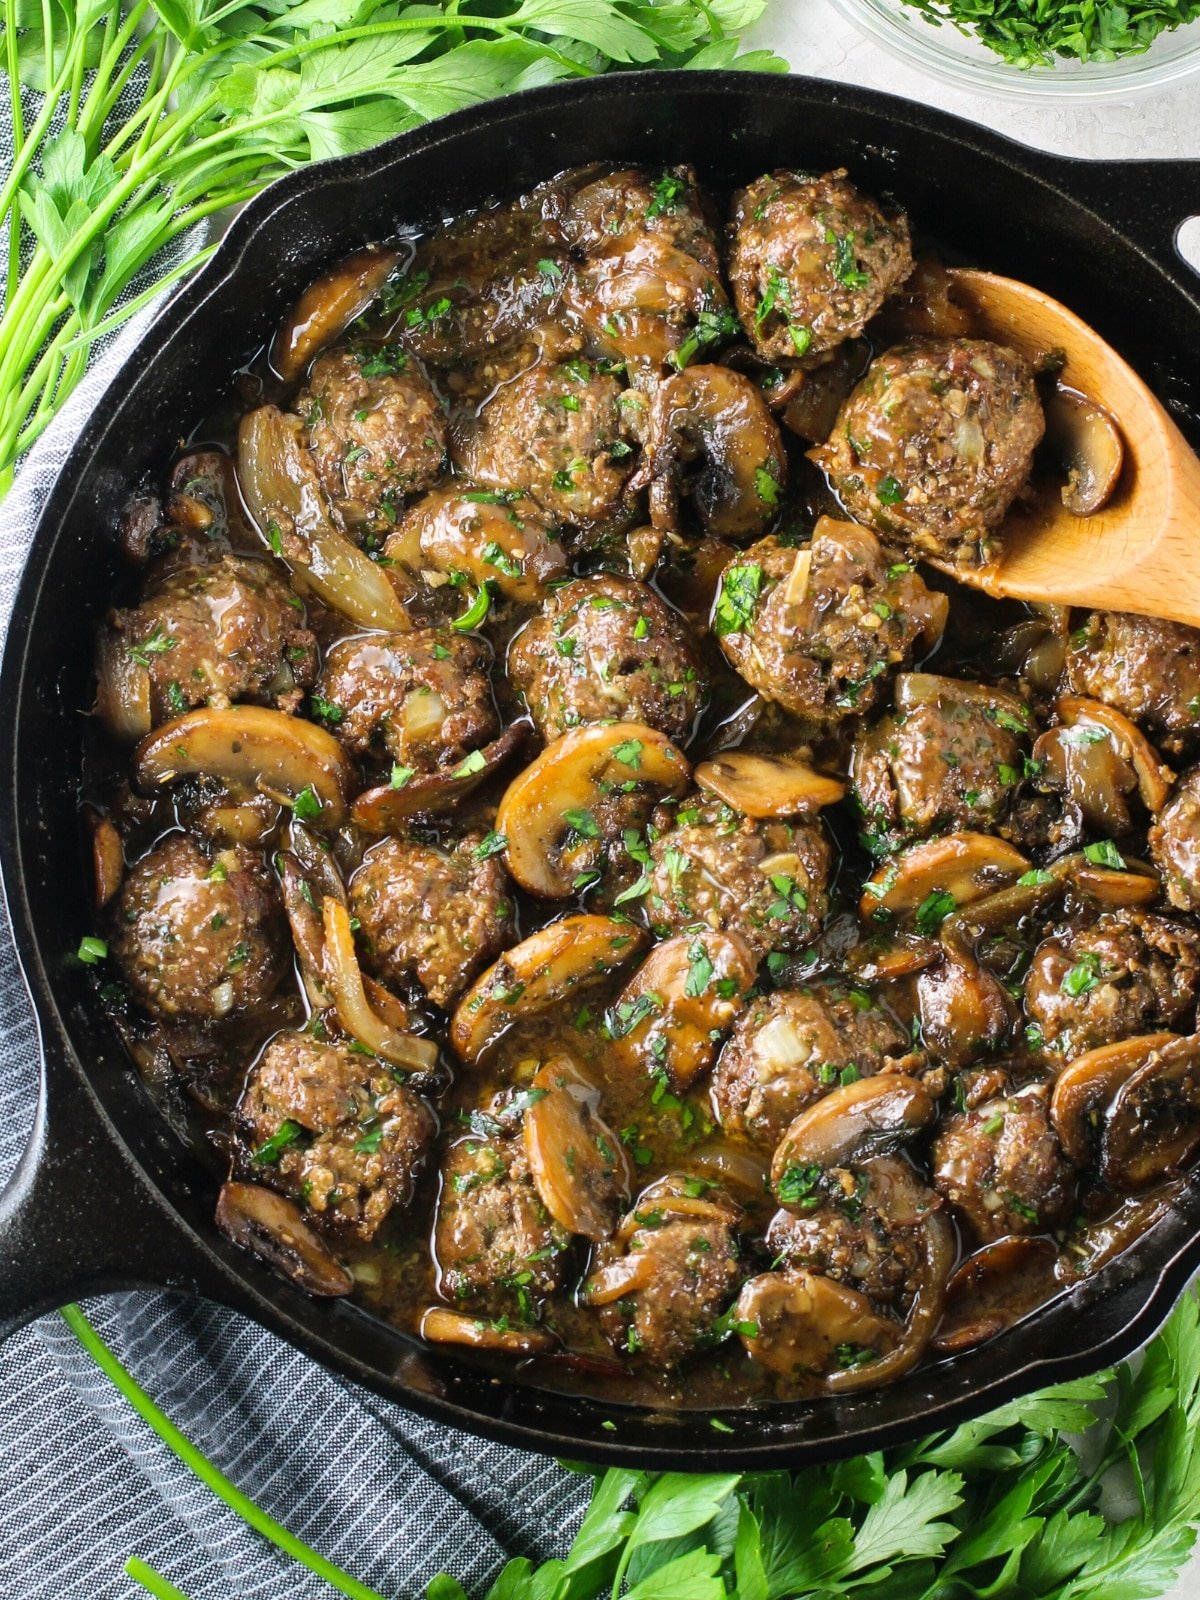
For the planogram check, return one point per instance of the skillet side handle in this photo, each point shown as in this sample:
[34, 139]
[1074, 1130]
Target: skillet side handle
[1148, 201]
[77, 1219]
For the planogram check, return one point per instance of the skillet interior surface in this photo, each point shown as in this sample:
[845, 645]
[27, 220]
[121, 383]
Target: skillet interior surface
[124, 1202]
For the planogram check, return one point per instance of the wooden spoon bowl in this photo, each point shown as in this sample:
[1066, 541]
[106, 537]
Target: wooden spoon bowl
[1141, 551]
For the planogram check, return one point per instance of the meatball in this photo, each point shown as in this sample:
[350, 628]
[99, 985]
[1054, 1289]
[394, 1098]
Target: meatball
[789, 1048]
[496, 1244]
[628, 202]
[199, 936]
[826, 623]
[811, 262]
[934, 444]
[1175, 843]
[333, 1127]
[947, 759]
[376, 430]
[213, 630]
[682, 1268]
[424, 696]
[1129, 972]
[1144, 666]
[436, 915]
[765, 881]
[607, 647]
[866, 1238]
[1001, 1166]
[558, 434]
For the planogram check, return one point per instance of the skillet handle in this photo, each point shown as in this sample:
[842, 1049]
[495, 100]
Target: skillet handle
[77, 1218]
[1148, 201]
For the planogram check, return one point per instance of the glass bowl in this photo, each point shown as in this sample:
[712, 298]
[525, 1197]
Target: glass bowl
[960, 58]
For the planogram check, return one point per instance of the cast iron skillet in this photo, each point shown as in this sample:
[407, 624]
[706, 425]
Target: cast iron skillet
[106, 1196]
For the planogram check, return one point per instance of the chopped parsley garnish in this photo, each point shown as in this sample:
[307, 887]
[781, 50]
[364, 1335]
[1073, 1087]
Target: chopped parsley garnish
[1083, 977]
[402, 776]
[890, 491]
[492, 844]
[737, 598]
[475, 762]
[1104, 853]
[307, 804]
[285, 1134]
[91, 950]
[700, 970]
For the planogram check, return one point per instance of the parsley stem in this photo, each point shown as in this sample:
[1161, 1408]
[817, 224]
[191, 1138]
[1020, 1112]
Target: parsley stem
[209, 1475]
[153, 1582]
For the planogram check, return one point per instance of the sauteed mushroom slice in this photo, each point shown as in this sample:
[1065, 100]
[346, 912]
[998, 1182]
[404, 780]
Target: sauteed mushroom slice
[256, 748]
[849, 1125]
[442, 1326]
[1091, 1082]
[537, 973]
[273, 1228]
[280, 483]
[963, 866]
[671, 1015]
[108, 858]
[997, 1286]
[388, 807]
[578, 1164]
[1154, 778]
[797, 1323]
[554, 801]
[1152, 1128]
[344, 979]
[963, 1007]
[1085, 441]
[495, 536]
[327, 308]
[768, 786]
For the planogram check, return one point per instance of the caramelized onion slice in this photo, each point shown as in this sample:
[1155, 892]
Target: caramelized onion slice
[967, 866]
[671, 1015]
[279, 481]
[768, 786]
[308, 933]
[122, 689]
[1153, 1124]
[253, 747]
[388, 810]
[618, 1278]
[273, 1228]
[854, 1122]
[571, 776]
[327, 308]
[442, 1326]
[577, 1162]
[552, 963]
[1086, 442]
[1084, 1089]
[344, 980]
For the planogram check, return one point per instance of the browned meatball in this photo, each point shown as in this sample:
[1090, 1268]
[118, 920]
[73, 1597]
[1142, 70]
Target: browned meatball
[199, 936]
[1145, 666]
[607, 647]
[1130, 972]
[496, 1244]
[424, 696]
[679, 1268]
[376, 430]
[1001, 1166]
[436, 915]
[812, 261]
[558, 434]
[211, 631]
[866, 1237]
[1175, 843]
[791, 1047]
[945, 759]
[818, 629]
[935, 443]
[763, 880]
[334, 1127]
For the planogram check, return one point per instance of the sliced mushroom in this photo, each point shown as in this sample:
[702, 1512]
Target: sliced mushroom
[442, 1326]
[1152, 1129]
[537, 973]
[996, 1287]
[966, 866]
[1137, 885]
[671, 1015]
[344, 980]
[255, 748]
[644, 545]
[853, 1123]
[108, 858]
[578, 1165]
[542, 807]
[308, 934]
[1154, 779]
[273, 1228]
[1084, 440]
[495, 537]
[963, 1007]
[798, 1324]
[812, 405]
[122, 689]
[1089, 1084]
[884, 961]
[678, 1198]
[388, 809]
[327, 308]
[281, 487]
[618, 1278]
[768, 786]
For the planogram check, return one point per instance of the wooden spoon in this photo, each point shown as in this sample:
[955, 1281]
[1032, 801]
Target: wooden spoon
[1141, 551]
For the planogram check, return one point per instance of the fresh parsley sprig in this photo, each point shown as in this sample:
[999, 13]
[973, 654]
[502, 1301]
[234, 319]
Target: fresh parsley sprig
[231, 95]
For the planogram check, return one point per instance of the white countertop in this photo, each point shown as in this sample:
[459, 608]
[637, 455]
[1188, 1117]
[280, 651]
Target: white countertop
[818, 42]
